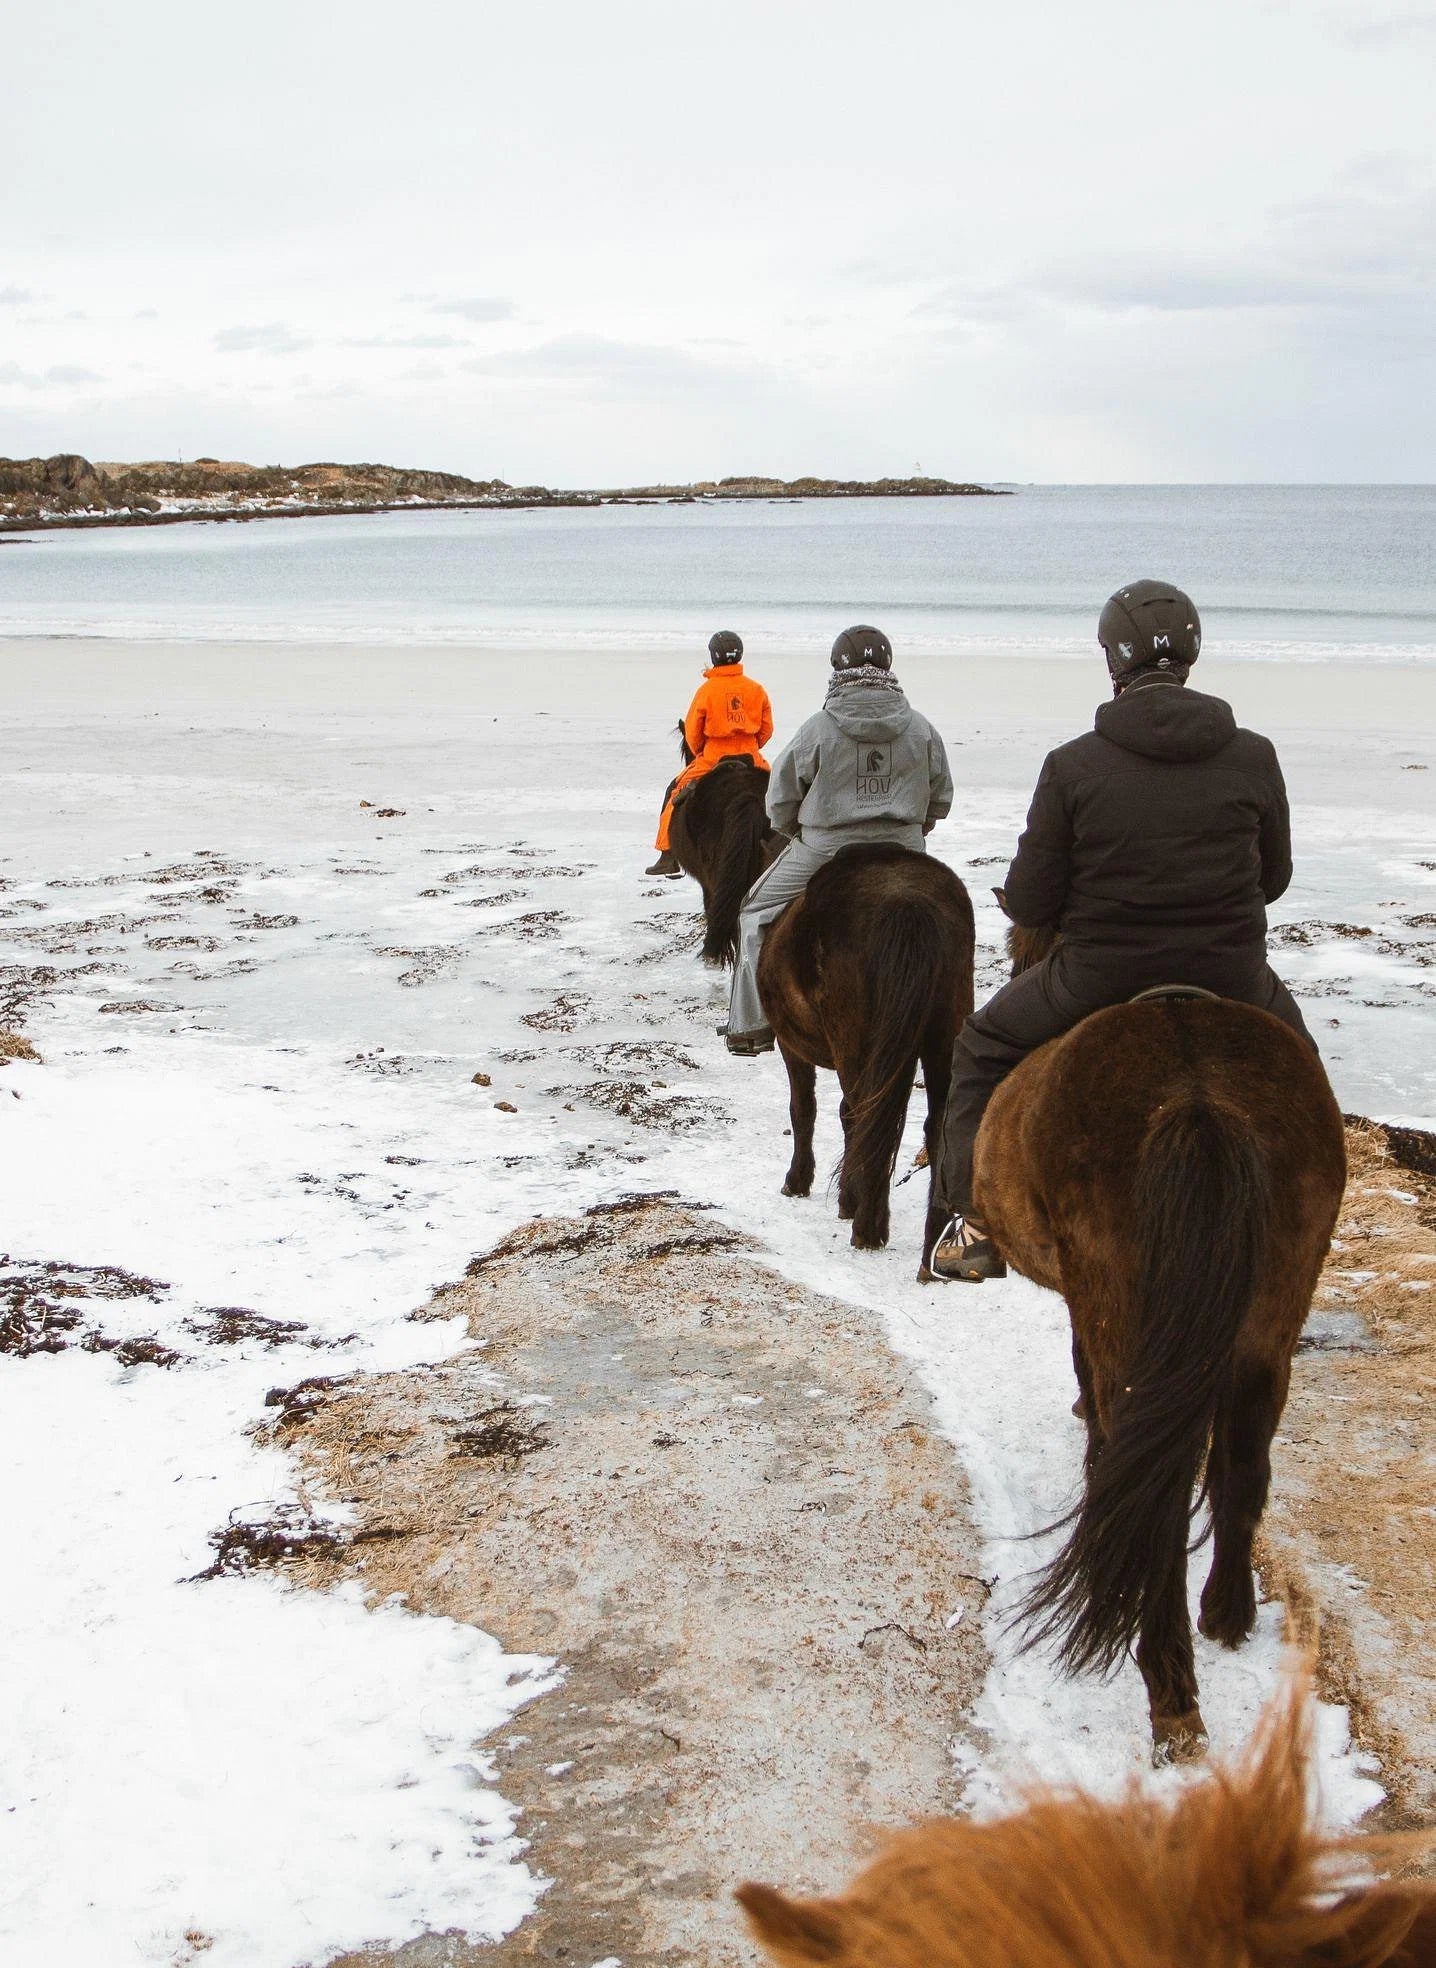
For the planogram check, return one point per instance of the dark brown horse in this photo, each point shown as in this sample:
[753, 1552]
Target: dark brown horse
[721, 835]
[1231, 1872]
[867, 973]
[1173, 1167]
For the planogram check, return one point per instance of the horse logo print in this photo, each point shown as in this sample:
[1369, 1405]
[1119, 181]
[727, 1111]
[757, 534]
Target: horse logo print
[875, 773]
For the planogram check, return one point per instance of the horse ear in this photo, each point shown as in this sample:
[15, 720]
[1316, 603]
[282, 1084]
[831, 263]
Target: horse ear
[1001, 894]
[792, 1930]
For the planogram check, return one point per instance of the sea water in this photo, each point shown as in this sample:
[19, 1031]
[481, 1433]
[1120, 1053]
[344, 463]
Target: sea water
[1306, 572]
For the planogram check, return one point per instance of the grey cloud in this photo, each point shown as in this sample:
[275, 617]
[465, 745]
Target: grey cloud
[405, 342]
[480, 308]
[266, 338]
[1388, 30]
[597, 360]
[1369, 242]
[58, 375]
[1175, 286]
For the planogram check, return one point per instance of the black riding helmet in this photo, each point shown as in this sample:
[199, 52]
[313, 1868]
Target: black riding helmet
[1149, 625]
[860, 645]
[725, 647]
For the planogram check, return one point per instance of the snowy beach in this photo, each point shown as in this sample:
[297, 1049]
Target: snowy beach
[269, 902]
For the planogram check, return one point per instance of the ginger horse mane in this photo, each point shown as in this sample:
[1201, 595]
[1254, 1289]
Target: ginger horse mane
[1230, 1872]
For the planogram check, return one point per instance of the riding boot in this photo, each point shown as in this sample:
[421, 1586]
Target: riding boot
[666, 864]
[747, 1045]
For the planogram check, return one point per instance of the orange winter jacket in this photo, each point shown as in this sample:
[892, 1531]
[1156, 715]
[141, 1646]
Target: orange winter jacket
[730, 713]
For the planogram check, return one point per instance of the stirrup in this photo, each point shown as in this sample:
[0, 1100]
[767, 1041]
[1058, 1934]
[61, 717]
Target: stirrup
[969, 1259]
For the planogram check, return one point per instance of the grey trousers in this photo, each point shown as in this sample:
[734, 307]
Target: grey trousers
[765, 901]
[781, 884]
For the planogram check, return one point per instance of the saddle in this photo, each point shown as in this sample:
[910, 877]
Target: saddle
[1156, 992]
[687, 791]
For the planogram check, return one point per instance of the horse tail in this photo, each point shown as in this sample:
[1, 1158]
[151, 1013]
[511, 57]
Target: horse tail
[1203, 1199]
[907, 968]
[737, 863]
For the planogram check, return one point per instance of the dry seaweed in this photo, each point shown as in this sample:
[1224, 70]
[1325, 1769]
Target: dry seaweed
[504, 1432]
[231, 1325]
[289, 1533]
[693, 1244]
[40, 1308]
[297, 1403]
[144, 1350]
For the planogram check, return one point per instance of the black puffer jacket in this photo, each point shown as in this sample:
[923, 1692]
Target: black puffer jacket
[1163, 833]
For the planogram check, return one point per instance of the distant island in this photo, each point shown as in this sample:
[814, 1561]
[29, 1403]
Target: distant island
[70, 491]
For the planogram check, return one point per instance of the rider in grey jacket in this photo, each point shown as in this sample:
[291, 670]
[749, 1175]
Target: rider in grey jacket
[866, 767]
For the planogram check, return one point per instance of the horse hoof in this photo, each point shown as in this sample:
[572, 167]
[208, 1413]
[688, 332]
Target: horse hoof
[791, 1188]
[924, 1276]
[1226, 1631]
[1179, 1739]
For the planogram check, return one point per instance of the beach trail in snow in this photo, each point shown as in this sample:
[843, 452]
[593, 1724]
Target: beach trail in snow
[264, 940]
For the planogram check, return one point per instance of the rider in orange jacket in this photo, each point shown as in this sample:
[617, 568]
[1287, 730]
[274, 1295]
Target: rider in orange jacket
[730, 717]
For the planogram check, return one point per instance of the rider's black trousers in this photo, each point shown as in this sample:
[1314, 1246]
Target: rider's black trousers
[1048, 1000]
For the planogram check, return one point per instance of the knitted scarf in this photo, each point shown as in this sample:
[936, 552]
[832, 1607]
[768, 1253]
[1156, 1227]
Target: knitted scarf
[867, 674]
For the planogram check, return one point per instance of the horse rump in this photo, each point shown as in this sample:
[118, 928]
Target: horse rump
[893, 944]
[738, 857]
[1200, 1206]
[720, 836]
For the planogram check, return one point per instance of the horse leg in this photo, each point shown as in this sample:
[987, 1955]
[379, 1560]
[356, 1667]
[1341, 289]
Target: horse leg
[1085, 1406]
[802, 1112]
[936, 1076]
[1238, 1476]
[847, 1201]
[1164, 1655]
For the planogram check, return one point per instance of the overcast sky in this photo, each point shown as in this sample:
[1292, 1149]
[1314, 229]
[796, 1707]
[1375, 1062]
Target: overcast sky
[611, 241]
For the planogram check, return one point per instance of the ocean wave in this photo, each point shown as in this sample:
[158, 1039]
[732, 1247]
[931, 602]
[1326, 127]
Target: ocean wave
[640, 638]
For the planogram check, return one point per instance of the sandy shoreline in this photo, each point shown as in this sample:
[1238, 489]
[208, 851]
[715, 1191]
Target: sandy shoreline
[63, 673]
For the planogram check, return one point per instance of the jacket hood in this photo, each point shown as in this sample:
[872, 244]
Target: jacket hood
[1167, 721]
[724, 670]
[866, 711]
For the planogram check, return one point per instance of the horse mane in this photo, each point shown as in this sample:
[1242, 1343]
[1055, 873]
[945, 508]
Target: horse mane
[1230, 1872]
[1026, 947]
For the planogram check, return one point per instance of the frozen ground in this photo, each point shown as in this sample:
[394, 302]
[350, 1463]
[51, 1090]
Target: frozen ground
[261, 1005]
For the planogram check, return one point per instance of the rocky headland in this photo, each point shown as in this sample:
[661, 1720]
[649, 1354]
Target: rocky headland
[68, 490]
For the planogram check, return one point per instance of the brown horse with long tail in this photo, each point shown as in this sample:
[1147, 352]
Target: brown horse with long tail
[1174, 1168]
[720, 834]
[867, 974]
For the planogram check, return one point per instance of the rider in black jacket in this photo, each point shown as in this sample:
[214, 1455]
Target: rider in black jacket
[1154, 843]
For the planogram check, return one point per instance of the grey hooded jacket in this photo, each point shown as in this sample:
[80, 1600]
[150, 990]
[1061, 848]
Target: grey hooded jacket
[865, 767]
